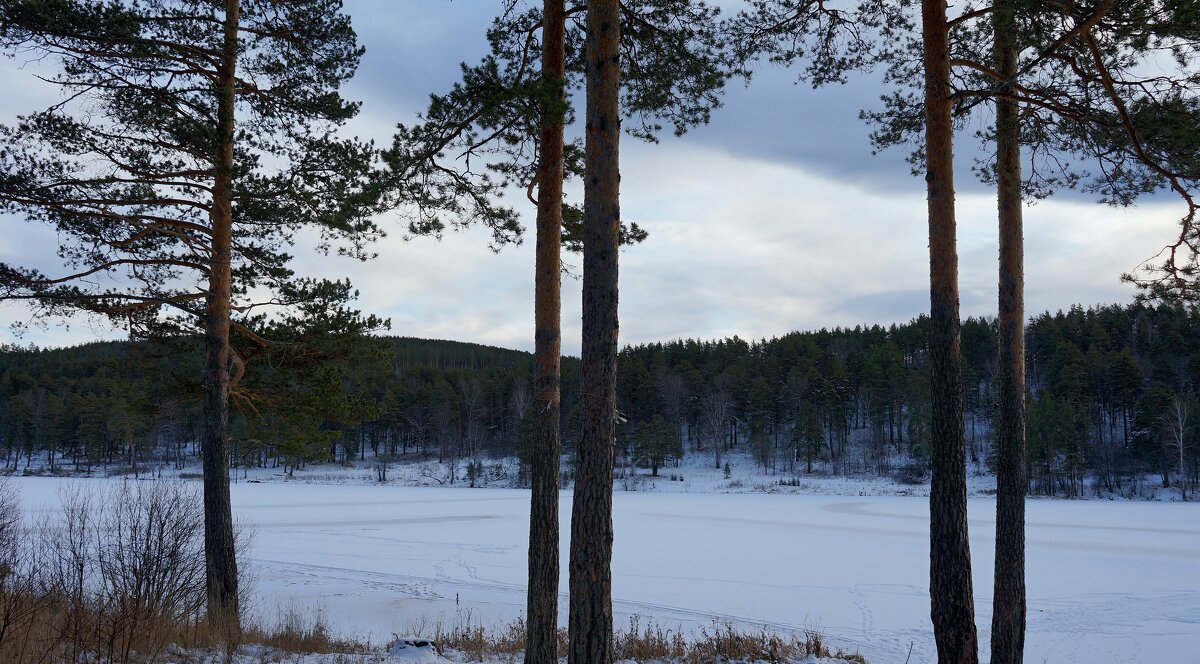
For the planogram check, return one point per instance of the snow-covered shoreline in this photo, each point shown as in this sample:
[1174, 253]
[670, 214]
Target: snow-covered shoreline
[696, 475]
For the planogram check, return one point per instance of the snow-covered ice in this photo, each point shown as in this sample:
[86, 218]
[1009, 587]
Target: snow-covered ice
[1109, 581]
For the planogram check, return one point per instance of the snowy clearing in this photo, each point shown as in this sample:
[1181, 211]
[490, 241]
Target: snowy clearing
[1108, 581]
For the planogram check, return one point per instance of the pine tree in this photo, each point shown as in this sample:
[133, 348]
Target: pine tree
[509, 113]
[590, 627]
[1008, 598]
[1076, 53]
[829, 42]
[950, 555]
[196, 139]
[542, 602]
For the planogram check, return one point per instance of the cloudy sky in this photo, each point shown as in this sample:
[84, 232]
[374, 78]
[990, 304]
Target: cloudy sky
[776, 217]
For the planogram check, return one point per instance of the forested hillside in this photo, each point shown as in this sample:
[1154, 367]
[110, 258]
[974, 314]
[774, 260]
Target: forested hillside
[1112, 395]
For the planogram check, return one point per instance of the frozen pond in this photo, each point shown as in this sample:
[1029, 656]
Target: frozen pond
[1108, 582]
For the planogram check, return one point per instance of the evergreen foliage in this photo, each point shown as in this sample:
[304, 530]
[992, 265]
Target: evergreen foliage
[840, 401]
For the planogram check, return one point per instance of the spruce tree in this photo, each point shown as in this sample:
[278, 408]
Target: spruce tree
[194, 140]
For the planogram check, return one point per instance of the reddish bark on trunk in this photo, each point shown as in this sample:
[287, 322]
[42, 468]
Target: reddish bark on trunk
[1008, 603]
[590, 625]
[952, 604]
[220, 563]
[542, 605]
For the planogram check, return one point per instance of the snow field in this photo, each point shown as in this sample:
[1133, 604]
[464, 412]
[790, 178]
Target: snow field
[1108, 581]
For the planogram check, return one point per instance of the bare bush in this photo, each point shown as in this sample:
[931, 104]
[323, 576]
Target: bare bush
[155, 558]
[139, 544]
[124, 562]
[725, 642]
[113, 575]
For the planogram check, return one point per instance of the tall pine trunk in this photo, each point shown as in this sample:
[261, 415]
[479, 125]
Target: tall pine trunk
[952, 606]
[220, 565]
[542, 605]
[1008, 600]
[590, 625]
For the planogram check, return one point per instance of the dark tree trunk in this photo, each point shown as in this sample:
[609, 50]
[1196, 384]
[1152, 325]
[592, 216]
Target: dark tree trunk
[952, 606]
[542, 605]
[220, 565]
[1008, 601]
[590, 625]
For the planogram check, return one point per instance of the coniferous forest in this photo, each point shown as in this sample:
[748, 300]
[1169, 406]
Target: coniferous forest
[174, 159]
[1108, 389]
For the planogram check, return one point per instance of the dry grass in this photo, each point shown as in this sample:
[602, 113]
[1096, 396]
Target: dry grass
[471, 638]
[648, 642]
[49, 631]
[294, 632]
[720, 642]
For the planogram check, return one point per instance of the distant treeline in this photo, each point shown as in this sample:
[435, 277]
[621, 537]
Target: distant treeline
[1112, 395]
